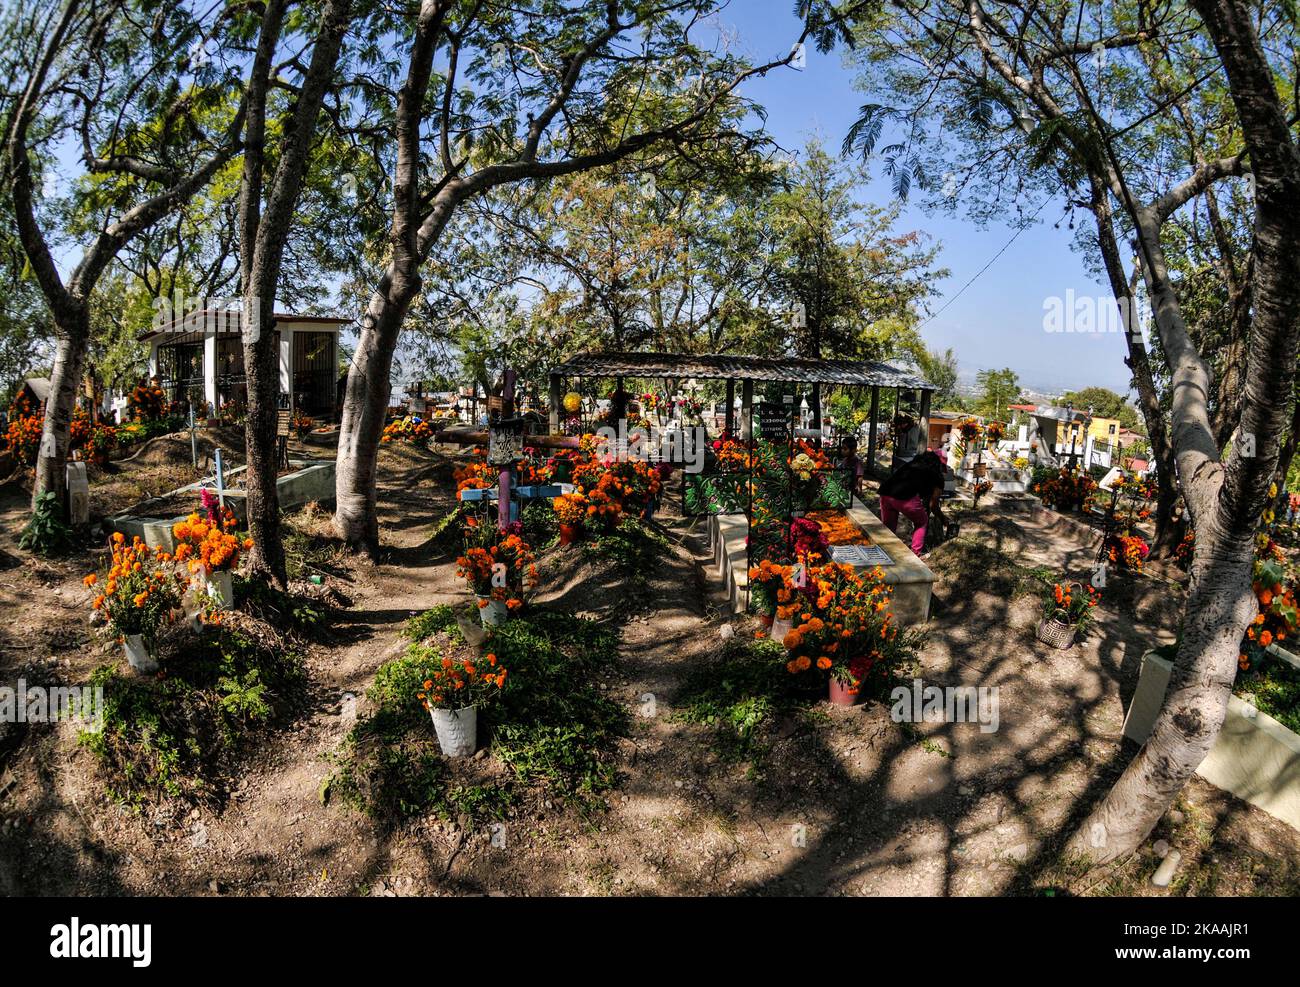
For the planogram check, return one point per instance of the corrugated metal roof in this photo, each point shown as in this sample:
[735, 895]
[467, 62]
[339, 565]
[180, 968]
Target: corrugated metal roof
[227, 322]
[853, 373]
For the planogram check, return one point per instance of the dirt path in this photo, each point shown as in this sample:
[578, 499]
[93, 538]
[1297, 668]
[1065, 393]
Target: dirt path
[845, 801]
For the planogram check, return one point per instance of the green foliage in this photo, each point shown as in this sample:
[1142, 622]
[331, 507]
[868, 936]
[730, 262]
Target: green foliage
[46, 533]
[446, 533]
[541, 529]
[998, 389]
[740, 691]
[1275, 684]
[179, 735]
[550, 725]
[299, 613]
[940, 369]
[634, 546]
[424, 625]
[1104, 404]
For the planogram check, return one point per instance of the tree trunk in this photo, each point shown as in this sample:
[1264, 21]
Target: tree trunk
[1226, 500]
[365, 403]
[1219, 605]
[69, 355]
[262, 373]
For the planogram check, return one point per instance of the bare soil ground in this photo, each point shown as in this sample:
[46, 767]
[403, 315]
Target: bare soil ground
[834, 801]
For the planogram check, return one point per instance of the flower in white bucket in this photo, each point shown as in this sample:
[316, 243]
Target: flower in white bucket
[137, 597]
[500, 569]
[453, 693]
[211, 551]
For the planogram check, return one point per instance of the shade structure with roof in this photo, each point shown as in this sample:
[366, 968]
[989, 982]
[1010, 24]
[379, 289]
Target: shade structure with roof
[732, 368]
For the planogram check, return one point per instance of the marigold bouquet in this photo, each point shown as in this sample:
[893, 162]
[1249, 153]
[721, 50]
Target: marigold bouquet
[103, 438]
[1128, 551]
[475, 476]
[203, 545]
[1277, 617]
[570, 508]
[148, 402]
[136, 595]
[767, 580]
[23, 435]
[458, 683]
[1070, 603]
[79, 430]
[498, 567]
[969, 429]
[995, 432]
[844, 628]
[1065, 489]
[410, 429]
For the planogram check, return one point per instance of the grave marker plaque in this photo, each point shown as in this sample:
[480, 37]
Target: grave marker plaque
[774, 421]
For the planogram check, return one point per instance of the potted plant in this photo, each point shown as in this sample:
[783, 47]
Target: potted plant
[1128, 551]
[570, 511]
[843, 630]
[767, 580]
[1067, 611]
[137, 598]
[871, 643]
[500, 570]
[210, 553]
[453, 694]
[102, 439]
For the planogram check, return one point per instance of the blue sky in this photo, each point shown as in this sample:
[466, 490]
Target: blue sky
[998, 320]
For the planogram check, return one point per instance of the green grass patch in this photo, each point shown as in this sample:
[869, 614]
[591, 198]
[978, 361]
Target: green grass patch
[177, 736]
[738, 693]
[284, 610]
[441, 618]
[551, 726]
[1275, 684]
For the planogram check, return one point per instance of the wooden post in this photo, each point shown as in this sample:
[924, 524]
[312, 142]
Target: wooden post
[871, 423]
[555, 400]
[731, 407]
[817, 408]
[746, 409]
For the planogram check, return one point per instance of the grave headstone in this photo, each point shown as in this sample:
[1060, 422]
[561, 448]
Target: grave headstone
[78, 494]
[774, 421]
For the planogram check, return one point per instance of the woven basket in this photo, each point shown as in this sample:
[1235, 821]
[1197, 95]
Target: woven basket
[1057, 634]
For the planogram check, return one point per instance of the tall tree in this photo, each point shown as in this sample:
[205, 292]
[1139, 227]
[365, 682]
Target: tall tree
[270, 184]
[552, 95]
[114, 79]
[1044, 69]
[940, 369]
[1226, 497]
[998, 388]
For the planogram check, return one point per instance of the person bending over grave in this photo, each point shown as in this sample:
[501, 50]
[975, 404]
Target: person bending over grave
[914, 492]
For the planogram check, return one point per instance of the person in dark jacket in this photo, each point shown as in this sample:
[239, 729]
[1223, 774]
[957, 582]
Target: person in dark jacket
[914, 492]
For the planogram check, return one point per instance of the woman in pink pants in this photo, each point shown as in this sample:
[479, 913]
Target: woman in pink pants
[914, 493]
